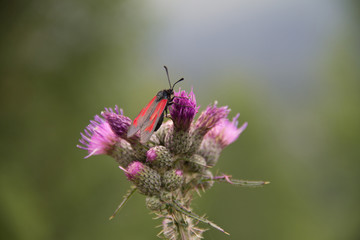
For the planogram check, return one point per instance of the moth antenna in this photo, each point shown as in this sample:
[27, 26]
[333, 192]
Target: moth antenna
[167, 74]
[177, 82]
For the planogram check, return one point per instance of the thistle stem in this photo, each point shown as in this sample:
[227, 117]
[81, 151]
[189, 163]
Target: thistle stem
[229, 179]
[188, 213]
[126, 198]
[181, 224]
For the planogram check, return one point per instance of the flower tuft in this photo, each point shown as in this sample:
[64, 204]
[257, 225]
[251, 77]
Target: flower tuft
[98, 138]
[116, 110]
[183, 109]
[179, 172]
[151, 155]
[226, 132]
[117, 121]
[133, 170]
[210, 117]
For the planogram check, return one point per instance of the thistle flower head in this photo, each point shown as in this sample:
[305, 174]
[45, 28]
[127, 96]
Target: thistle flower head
[226, 132]
[98, 138]
[210, 117]
[117, 121]
[174, 164]
[183, 109]
[134, 170]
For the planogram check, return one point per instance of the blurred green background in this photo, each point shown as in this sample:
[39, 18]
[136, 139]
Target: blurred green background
[291, 68]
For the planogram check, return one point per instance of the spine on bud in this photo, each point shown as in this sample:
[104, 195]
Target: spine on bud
[181, 225]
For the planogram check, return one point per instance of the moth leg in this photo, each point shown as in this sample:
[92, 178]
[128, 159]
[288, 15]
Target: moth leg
[159, 122]
[166, 111]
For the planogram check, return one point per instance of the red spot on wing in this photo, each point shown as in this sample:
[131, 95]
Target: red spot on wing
[156, 114]
[143, 112]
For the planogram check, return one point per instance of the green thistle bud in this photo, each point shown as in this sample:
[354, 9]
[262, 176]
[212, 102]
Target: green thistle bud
[154, 203]
[210, 150]
[139, 151]
[195, 142]
[163, 131]
[147, 180]
[196, 163]
[165, 196]
[123, 153]
[172, 179]
[160, 158]
[178, 141]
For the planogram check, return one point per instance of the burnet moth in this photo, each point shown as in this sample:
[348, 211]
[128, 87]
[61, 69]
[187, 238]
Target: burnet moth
[152, 115]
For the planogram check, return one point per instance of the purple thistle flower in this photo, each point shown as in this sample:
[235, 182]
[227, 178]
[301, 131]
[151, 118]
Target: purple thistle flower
[117, 121]
[183, 109]
[179, 172]
[98, 137]
[133, 170]
[210, 117]
[226, 132]
[151, 155]
[116, 110]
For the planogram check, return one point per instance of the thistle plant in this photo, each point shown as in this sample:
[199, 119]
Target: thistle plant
[174, 164]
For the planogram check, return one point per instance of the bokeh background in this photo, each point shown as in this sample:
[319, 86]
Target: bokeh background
[291, 68]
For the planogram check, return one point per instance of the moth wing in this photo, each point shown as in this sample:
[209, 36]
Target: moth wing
[149, 125]
[140, 119]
